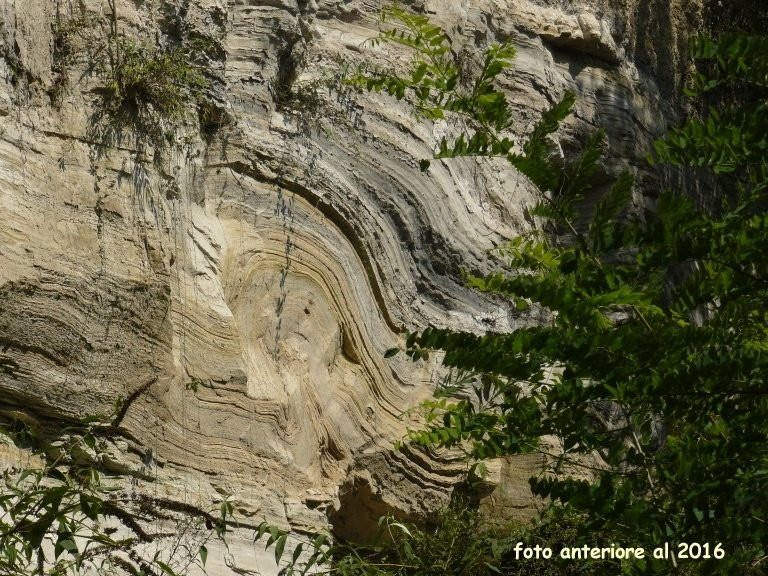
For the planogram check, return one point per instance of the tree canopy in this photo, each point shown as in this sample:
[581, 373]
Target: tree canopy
[651, 369]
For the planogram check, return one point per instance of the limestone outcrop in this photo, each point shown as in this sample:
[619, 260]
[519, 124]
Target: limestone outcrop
[233, 287]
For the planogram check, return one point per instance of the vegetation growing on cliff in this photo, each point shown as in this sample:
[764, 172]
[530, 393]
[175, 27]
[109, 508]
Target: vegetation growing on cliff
[146, 80]
[651, 370]
[146, 88]
[653, 365]
[61, 517]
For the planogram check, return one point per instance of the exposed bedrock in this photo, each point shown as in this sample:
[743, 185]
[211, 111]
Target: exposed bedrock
[237, 289]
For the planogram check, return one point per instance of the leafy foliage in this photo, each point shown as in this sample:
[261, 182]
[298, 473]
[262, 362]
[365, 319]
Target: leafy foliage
[145, 87]
[163, 81]
[651, 369]
[732, 139]
[457, 542]
[60, 518]
[435, 87]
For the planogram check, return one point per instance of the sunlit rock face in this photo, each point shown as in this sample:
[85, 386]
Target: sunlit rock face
[233, 288]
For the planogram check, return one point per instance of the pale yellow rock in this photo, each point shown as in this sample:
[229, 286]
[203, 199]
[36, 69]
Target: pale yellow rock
[238, 290]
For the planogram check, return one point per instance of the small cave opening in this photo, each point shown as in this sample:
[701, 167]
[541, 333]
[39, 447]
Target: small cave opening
[360, 507]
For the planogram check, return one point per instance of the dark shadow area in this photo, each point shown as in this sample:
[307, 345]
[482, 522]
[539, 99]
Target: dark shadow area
[660, 43]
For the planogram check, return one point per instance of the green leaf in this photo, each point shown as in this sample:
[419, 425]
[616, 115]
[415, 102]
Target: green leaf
[165, 567]
[279, 547]
[418, 73]
[297, 553]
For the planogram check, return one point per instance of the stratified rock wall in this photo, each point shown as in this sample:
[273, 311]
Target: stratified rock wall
[236, 288]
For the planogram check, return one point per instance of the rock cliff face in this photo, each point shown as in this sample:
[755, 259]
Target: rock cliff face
[235, 286]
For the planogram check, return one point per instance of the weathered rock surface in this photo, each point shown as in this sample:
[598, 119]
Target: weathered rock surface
[237, 289]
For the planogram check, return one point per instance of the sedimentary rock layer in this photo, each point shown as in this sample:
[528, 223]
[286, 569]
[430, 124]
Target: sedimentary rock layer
[234, 289]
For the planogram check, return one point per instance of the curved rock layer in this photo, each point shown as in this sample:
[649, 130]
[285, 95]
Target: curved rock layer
[234, 291]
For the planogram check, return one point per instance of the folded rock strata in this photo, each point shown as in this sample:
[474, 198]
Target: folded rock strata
[236, 290]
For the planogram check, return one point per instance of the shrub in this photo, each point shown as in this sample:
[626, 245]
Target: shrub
[652, 363]
[151, 81]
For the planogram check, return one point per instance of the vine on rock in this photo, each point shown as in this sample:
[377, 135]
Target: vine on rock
[145, 88]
